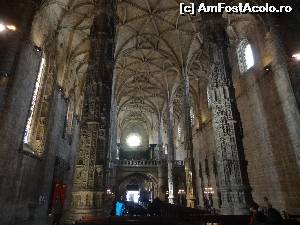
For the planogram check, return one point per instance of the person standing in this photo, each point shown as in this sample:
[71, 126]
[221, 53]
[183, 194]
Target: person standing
[267, 204]
[272, 215]
[57, 212]
[257, 216]
[120, 207]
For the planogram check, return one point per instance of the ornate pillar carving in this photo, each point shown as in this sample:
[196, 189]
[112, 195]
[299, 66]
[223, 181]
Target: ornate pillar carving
[188, 145]
[114, 148]
[159, 147]
[89, 182]
[162, 179]
[170, 123]
[232, 172]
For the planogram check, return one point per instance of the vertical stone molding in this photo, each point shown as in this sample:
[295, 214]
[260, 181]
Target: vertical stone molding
[188, 145]
[159, 147]
[159, 155]
[231, 166]
[114, 148]
[170, 123]
[284, 87]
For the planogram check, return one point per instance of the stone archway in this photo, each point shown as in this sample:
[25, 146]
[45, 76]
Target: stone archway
[142, 181]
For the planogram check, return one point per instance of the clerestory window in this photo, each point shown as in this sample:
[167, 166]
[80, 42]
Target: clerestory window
[192, 116]
[33, 105]
[245, 56]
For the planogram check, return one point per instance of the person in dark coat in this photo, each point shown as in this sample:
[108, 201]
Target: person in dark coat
[267, 203]
[113, 208]
[156, 206]
[57, 212]
[273, 217]
[257, 216]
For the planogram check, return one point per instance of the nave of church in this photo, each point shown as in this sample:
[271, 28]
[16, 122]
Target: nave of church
[127, 102]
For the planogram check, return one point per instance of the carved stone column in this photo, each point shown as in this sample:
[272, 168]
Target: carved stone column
[170, 121]
[231, 166]
[113, 127]
[188, 145]
[162, 178]
[89, 182]
[159, 147]
[114, 148]
[284, 87]
[152, 148]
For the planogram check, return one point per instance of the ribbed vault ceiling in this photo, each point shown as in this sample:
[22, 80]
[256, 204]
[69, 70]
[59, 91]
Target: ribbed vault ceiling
[154, 45]
[155, 48]
[67, 23]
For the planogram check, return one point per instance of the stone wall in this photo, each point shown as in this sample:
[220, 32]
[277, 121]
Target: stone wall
[55, 147]
[204, 153]
[25, 178]
[273, 168]
[269, 132]
[28, 178]
[13, 120]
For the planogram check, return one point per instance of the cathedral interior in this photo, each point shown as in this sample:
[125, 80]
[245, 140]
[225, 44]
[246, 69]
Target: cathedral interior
[128, 99]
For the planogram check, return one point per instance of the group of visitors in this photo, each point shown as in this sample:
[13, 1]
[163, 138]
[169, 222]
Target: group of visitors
[57, 211]
[129, 208]
[154, 208]
[264, 215]
[259, 215]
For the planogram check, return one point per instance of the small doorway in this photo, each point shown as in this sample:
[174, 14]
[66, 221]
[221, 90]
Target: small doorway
[132, 193]
[138, 188]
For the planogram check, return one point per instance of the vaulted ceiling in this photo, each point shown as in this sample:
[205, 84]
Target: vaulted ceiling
[155, 47]
[66, 23]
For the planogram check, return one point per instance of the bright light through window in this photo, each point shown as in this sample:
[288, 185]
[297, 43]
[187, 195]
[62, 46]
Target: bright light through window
[2, 27]
[33, 102]
[245, 56]
[296, 56]
[133, 140]
[11, 27]
[133, 196]
[192, 115]
[249, 56]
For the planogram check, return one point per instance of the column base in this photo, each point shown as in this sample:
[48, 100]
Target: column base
[191, 203]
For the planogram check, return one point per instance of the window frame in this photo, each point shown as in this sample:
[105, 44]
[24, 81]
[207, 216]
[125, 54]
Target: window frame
[192, 116]
[34, 106]
[242, 58]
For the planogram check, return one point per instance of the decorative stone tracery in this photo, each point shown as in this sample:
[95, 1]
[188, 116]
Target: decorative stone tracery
[170, 124]
[90, 172]
[232, 175]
